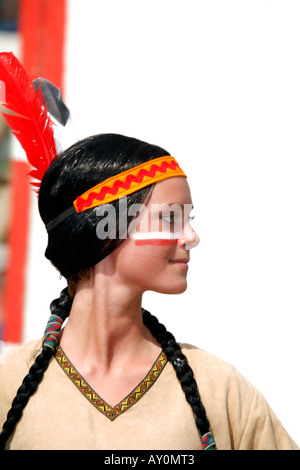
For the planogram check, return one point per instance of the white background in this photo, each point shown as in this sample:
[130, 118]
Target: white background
[216, 83]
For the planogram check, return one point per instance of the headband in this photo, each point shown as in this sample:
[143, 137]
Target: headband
[121, 185]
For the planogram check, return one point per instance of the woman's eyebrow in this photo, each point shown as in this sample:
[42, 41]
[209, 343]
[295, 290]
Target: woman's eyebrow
[178, 204]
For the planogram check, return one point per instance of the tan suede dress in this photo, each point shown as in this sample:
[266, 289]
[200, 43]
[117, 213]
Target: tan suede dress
[65, 413]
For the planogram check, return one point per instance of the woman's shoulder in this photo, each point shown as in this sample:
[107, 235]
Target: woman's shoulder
[214, 371]
[201, 358]
[18, 359]
[235, 407]
[14, 366]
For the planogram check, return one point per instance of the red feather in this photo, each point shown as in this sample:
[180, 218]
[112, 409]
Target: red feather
[31, 124]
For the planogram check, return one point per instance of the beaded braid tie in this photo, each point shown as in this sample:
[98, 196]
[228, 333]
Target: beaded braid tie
[52, 332]
[208, 442]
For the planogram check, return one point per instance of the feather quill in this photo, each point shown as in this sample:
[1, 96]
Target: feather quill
[31, 123]
[65, 132]
[53, 99]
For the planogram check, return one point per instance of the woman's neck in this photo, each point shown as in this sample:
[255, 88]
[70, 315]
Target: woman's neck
[105, 327]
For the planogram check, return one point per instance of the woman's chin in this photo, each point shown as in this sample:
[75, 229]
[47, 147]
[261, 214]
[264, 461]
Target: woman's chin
[174, 288]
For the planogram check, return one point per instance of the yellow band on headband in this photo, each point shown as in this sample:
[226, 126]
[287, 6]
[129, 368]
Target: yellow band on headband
[129, 182]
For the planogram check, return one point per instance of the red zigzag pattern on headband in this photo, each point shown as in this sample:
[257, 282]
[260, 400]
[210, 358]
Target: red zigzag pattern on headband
[127, 183]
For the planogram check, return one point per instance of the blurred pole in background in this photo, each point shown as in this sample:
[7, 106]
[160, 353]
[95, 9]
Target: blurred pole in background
[42, 24]
[9, 41]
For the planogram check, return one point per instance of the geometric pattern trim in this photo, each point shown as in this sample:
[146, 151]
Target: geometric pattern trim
[115, 411]
[128, 182]
[52, 331]
[208, 442]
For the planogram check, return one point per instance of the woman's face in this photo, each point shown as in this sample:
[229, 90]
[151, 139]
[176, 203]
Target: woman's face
[160, 263]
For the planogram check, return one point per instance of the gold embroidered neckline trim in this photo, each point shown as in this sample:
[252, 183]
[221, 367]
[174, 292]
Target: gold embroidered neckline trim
[109, 411]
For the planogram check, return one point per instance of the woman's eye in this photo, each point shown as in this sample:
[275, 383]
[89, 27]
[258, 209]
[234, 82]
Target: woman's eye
[191, 216]
[169, 218]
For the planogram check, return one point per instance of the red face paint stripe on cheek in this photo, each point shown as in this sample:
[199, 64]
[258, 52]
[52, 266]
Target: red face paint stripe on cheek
[156, 242]
[155, 238]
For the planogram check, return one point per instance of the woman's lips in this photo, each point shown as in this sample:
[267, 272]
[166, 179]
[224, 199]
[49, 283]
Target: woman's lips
[183, 262]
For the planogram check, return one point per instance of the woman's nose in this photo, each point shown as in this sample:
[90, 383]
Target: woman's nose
[188, 237]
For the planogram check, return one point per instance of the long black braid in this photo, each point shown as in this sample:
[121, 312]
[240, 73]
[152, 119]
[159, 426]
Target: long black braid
[60, 307]
[183, 370]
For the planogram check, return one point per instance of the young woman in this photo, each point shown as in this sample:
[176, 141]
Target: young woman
[117, 213]
[113, 377]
